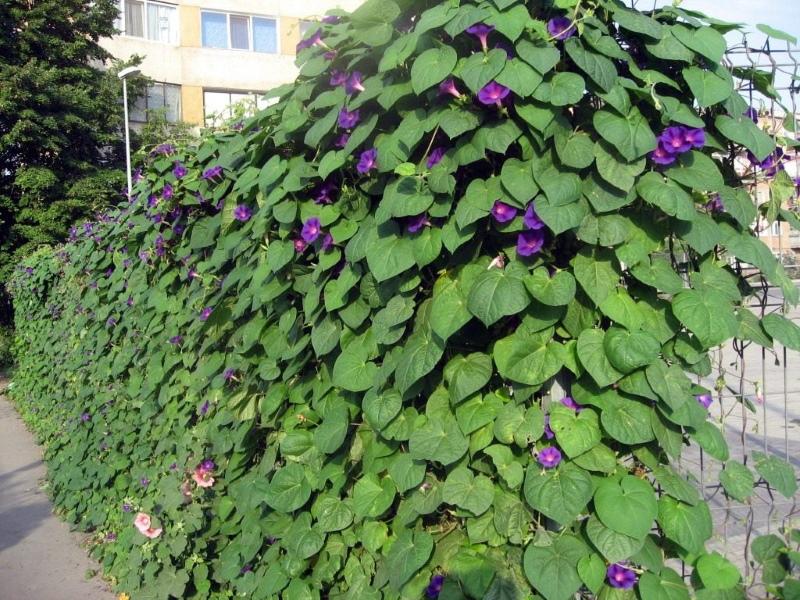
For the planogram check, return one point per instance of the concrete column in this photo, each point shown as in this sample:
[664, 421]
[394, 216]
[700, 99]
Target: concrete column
[192, 104]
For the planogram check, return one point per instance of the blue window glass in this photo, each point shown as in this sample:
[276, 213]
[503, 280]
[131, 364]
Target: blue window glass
[265, 35]
[215, 30]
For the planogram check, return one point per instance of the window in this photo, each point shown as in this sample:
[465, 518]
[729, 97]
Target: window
[220, 106]
[151, 20]
[239, 32]
[165, 97]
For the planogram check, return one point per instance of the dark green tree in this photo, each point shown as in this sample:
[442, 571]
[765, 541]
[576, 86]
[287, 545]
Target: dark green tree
[61, 150]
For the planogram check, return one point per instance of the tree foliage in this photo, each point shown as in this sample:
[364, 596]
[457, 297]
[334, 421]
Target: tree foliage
[317, 355]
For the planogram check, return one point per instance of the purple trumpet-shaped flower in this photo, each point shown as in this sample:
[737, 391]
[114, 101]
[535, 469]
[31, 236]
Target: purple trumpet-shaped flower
[435, 157]
[205, 313]
[367, 161]
[481, 31]
[85, 417]
[531, 219]
[228, 373]
[696, 137]
[620, 576]
[704, 400]
[144, 481]
[166, 192]
[212, 172]
[312, 40]
[417, 222]
[353, 83]
[448, 86]
[242, 213]
[330, 55]
[342, 140]
[165, 149]
[751, 113]
[548, 431]
[674, 140]
[327, 242]
[300, 245]
[561, 28]
[179, 170]
[126, 507]
[204, 408]
[176, 339]
[435, 586]
[493, 93]
[570, 403]
[715, 204]
[312, 229]
[348, 119]
[338, 78]
[530, 242]
[502, 212]
[771, 165]
[661, 156]
[325, 192]
[549, 457]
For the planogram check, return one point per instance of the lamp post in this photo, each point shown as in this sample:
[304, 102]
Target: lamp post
[124, 75]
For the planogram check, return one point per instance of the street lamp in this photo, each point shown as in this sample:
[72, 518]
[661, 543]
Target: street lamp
[125, 74]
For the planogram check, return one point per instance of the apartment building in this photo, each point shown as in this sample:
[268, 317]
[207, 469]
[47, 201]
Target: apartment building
[206, 55]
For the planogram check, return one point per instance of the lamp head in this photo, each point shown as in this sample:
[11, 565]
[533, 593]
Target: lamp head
[129, 72]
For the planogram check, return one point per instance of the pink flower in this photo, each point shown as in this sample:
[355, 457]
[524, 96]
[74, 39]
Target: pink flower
[202, 477]
[142, 523]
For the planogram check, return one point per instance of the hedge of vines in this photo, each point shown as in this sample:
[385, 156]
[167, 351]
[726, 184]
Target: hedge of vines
[430, 325]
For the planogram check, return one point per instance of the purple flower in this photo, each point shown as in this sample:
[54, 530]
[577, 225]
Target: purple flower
[570, 403]
[144, 481]
[205, 313]
[561, 28]
[448, 86]
[331, 20]
[548, 432]
[620, 577]
[674, 140]
[312, 228]
[300, 245]
[771, 165]
[314, 39]
[167, 191]
[435, 586]
[531, 219]
[324, 193]
[348, 119]
[111, 536]
[705, 400]
[152, 200]
[342, 140]
[165, 149]
[661, 156]
[415, 223]
[353, 83]
[493, 93]
[696, 137]
[368, 161]
[502, 212]
[126, 507]
[549, 457]
[85, 417]
[242, 213]
[327, 242]
[228, 373]
[208, 465]
[179, 170]
[212, 173]
[435, 157]
[530, 242]
[338, 78]
[176, 339]
[715, 204]
[137, 175]
[481, 31]
[752, 113]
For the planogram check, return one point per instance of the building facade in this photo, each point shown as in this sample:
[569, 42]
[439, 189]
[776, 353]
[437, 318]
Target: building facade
[206, 55]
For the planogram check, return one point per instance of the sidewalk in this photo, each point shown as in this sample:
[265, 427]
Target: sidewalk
[39, 558]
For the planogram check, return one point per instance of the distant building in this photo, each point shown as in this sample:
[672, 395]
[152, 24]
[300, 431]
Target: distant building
[206, 55]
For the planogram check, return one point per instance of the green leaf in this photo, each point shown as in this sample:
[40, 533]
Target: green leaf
[707, 87]
[743, 131]
[557, 290]
[406, 472]
[592, 355]
[465, 375]
[518, 180]
[666, 195]
[449, 311]
[630, 135]
[408, 554]
[465, 490]
[616, 171]
[592, 571]
[562, 89]
[667, 585]
[332, 514]
[574, 148]
[783, 330]
[381, 407]
[507, 466]
[519, 78]
[777, 33]
[599, 69]
[422, 352]
[769, 551]
[553, 569]
[440, 440]
[628, 421]
[432, 67]
[629, 350]
[777, 473]
[601, 458]
[289, 489]
[576, 432]
[627, 506]
[614, 546]
[373, 21]
[596, 272]
[541, 56]
[637, 22]
[739, 204]
[372, 496]
[479, 69]
[658, 273]
[711, 439]
[737, 480]
[331, 433]
[670, 383]
[561, 218]
[703, 40]
[706, 314]
[388, 254]
[497, 293]
[560, 493]
[529, 359]
[353, 371]
[716, 572]
[686, 525]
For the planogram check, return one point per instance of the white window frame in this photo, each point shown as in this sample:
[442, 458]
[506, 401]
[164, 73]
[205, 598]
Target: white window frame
[123, 24]
[250, 18]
